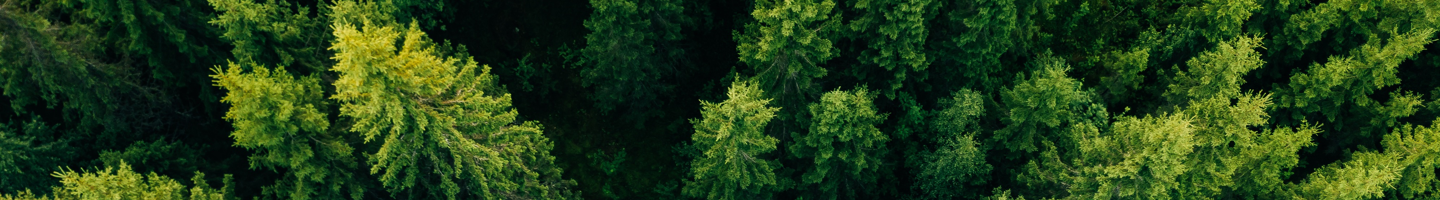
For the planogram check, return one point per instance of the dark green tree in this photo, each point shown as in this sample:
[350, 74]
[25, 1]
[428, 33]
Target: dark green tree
[632, 52]
[957, 162]
[895, 32]
[844, 147]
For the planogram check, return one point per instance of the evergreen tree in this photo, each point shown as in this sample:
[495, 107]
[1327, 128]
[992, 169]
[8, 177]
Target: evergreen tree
[632, 51]
[276, 33]
[895, 32]
[446, 127]
[1040, 106]
[787, 44]
[120, 182]
[731, 136]
[957, 163]
[1341, 88]
[279, 116]
[843, 145]
[28, 155]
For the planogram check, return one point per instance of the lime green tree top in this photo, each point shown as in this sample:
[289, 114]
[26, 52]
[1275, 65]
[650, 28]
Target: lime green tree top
[787, 43]
[279, 116]
[733, 143]
[1209, 147]
[446, 127]
[120, 182]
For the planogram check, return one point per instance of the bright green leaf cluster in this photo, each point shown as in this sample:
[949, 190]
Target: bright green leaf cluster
[280, 117]
[446, 129]
[119, 182]
[731, 136]
[787, 43]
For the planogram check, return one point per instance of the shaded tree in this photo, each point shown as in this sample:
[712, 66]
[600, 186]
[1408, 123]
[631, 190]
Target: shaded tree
[844, 147]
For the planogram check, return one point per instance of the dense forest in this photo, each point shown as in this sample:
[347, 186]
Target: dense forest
[719, 99]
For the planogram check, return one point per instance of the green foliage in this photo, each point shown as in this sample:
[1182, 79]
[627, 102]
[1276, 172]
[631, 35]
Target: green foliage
[278, 33]
[958, 163]
[895, 33]
[279, 117]
[984, 99]
[786, 44]
[1415, 145]
[731, 136]
[1216, 73]
[1347, 23]
[1209, 148]
[1040, 105]
[1365, 175]
[1343, 86]
[843, 144]
[57, 66]
[122, 183]
[952, 170]
[1138, 158]
[962, 111]
[167, 36]
[444, 124]
[1125, 77]
[610, 165]
[169, 158]
[631, 50]
[27, 156]
[1217, 20]
[970, 38]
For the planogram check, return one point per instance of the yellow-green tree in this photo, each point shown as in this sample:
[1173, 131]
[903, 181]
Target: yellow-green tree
[120, 182]
[445, 127]
[731, 136]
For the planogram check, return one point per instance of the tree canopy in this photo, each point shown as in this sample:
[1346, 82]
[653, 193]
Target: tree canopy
[719, 99]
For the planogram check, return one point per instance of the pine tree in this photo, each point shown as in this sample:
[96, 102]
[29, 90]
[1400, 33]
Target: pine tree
[787, 44]
[957, 163]
[446, 127]
[895, 32]
[731, 135]
[1041, 105]
[971, 36]
[1342, 86]
[28, 154]
[632, 52]
[276, 33]
[279, 116]
[844, 146]
[120, 182]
